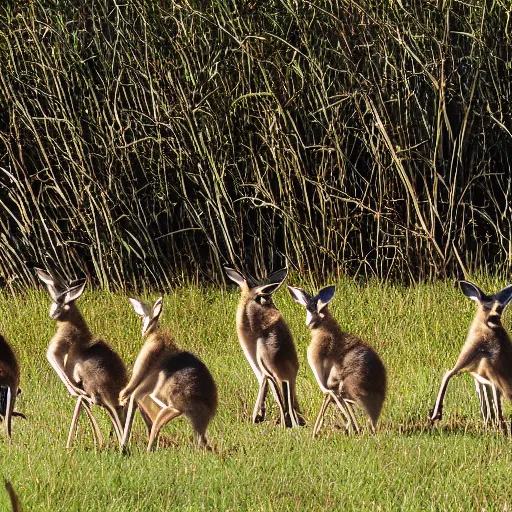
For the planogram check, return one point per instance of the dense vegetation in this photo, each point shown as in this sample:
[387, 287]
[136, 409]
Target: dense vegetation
[407, 465]
[151, 140]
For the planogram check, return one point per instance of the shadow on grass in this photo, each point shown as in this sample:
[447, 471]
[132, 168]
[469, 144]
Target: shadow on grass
[456, 425]
[415, 426]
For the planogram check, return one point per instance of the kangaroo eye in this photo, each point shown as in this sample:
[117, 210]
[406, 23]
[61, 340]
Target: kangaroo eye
[262, 300]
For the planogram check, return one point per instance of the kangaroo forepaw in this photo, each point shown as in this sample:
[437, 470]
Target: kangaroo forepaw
[123, 398]
[301, 420]
[259, 417]
[435, 417]
[124, 450]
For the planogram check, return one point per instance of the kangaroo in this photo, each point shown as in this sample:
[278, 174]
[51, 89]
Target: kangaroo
[167, 382]
[9, 382]
[486, 355]
[268, 345]
[88, 367]
[346, 368]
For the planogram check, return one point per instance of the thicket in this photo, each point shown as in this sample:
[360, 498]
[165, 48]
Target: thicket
[152, 140]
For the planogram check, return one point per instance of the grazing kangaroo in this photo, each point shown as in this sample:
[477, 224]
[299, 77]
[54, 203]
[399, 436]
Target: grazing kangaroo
[346, 369]
[167, 382]
[486, 355]
[268, 345]
[88, 367]
[9, 382]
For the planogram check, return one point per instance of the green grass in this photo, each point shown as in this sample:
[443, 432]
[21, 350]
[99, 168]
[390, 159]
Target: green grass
[407, 465]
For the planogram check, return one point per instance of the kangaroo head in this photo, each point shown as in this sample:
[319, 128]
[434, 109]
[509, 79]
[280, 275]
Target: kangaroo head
[257, 296]
[149, 313]
[490, 307]
[63, 293]
[316, 307]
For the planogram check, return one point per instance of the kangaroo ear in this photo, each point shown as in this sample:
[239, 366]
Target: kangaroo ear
[324, 296]
[267, 289]
[138, 307]
[471, 291]
[273, 283]
[73, 293]
[63, 285]
[50, 283]
[251, 281]
[75, 282]
[299, 296]
[45, 277]
[503, 296]
[235, 276]
[278, 276]
[157, 307]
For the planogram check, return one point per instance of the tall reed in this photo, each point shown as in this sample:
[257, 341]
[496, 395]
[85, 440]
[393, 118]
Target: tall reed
[148, 141]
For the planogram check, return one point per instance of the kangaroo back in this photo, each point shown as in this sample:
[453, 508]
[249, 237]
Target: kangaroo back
[176, 381]
[358, 370]
[344, 366]
[268, 344]
[9, 383]
[9, 366]
[100, 371]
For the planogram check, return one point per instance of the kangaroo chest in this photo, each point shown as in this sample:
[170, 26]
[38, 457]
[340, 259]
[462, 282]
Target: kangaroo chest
[248, 340]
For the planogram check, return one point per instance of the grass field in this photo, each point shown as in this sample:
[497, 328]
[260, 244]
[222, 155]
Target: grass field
[407, 465]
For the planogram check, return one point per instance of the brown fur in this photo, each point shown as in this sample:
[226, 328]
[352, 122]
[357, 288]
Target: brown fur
[90, 364]
[256, 322]
[487, 353]
[264, 335]
[158, 345]
[352, 368]
[175, 377]
[9, 376]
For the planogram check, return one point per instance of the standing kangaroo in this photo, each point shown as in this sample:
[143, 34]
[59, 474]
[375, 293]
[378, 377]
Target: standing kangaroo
[268, 345]
[167, 382]
[346, 369]
[88, 367]
[9, 382]
[486, 355]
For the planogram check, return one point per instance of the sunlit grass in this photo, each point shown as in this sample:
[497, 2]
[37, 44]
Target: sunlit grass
[407, 465]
